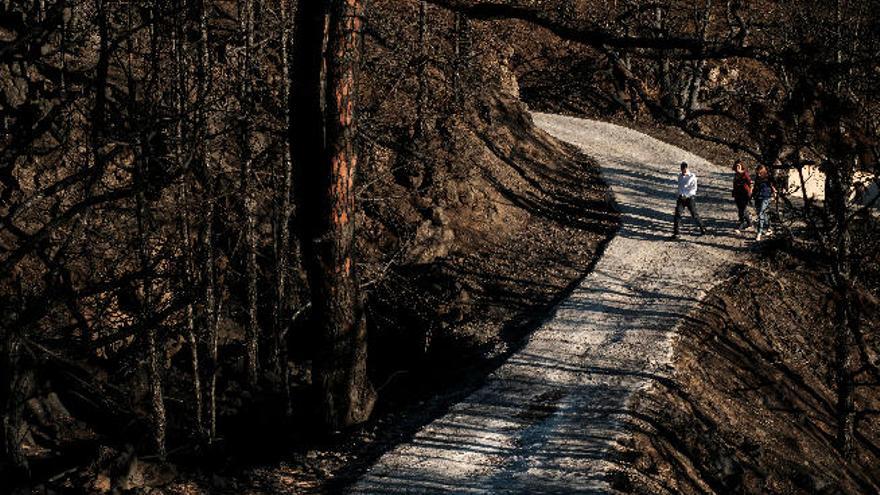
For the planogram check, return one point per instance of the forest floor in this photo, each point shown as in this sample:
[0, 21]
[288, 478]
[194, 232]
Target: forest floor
[550, 417]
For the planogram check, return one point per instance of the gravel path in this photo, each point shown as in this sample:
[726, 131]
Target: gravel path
[546, 420]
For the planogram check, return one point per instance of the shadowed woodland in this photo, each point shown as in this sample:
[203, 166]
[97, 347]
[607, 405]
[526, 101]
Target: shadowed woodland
[233, 229]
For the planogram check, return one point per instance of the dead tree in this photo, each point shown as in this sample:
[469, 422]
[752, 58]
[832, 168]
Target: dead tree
[210, 297]
[246, 19]
[189, 262]
[144, 156]
[838, 184]
[691, 99]
[278, 353]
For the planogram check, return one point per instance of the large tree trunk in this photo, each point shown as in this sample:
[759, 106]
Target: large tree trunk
[339, 365]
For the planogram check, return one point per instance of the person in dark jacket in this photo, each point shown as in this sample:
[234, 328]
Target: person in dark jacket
[742, 192]
[763, 191]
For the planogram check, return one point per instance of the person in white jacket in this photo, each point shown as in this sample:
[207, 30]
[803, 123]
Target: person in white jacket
[687, 191]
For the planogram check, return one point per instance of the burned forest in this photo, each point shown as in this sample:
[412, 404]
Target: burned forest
[292, 246]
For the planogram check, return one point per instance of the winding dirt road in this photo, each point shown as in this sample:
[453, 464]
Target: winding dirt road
[548, 418]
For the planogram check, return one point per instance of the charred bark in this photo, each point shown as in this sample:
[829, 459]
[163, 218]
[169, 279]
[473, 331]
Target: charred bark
[339, 371]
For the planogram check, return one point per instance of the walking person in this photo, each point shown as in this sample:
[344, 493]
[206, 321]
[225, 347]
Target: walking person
[687, 191]
[763, 193]
[742, 192]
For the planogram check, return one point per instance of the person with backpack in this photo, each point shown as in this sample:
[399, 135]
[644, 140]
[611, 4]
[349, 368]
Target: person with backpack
[742, 192]
[763, 193]
[687, 190]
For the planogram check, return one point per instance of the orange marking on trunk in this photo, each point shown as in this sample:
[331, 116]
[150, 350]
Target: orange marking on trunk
[339, 97]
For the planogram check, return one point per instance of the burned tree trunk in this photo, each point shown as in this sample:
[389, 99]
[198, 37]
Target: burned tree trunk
[339, 365]
[342, 366]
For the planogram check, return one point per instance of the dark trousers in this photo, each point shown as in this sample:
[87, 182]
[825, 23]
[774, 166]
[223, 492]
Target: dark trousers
[691, 205]
[742, 208]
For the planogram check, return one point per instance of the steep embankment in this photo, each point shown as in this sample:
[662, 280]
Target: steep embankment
[751, 406]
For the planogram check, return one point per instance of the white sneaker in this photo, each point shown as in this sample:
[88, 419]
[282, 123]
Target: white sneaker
[738, 232]
[758, 237]
[769, 232]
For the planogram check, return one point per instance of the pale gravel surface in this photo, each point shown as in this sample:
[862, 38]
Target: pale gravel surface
[548, 418]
